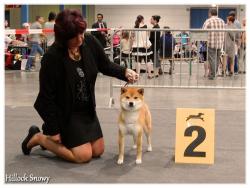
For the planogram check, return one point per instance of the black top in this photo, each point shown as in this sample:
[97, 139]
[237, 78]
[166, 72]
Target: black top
[167, 43]
[83, 125]
[152, 38]
[96, 25]
[81, 101]
[144, 26]
[56, 96]
[98, 34]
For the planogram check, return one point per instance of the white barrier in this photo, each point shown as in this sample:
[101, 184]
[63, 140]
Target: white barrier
[188, 75]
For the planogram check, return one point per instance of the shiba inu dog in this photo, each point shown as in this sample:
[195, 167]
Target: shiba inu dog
[134, 118]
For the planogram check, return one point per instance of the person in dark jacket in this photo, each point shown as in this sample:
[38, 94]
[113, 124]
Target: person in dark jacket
[155, 40]
[100, 35]
[167, 44]
[66, 99]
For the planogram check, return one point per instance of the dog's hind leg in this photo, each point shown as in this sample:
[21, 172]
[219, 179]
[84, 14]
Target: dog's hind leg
[148, 129]
[121, 148]
[139, 148]
[148, 136]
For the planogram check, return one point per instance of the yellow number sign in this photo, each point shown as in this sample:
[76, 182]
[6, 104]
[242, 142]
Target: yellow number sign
[194, 136]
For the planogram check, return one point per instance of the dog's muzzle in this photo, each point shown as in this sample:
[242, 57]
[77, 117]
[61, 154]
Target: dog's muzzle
[131, 104]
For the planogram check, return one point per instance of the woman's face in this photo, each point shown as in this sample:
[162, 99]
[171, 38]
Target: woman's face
[228, 22]
[152, 21]
[76, 41]
[142, 21]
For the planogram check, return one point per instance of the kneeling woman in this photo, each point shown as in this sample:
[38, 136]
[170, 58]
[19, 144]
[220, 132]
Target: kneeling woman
[66, 99]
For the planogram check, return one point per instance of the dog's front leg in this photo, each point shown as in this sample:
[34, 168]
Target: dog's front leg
[139, 148]
[134, 139]
[121, 148]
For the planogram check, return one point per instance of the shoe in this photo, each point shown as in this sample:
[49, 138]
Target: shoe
[32, 131]
[211, 78]
[242, 72]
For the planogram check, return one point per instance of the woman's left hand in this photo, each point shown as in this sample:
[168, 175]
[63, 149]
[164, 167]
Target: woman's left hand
[131, 75]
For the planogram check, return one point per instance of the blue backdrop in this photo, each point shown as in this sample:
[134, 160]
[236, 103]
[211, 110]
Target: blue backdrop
[199, 15]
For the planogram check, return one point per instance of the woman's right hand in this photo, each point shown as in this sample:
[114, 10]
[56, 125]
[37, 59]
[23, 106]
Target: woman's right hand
[131, 75]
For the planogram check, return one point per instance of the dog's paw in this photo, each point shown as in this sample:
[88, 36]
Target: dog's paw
[149, 148]
[138, 161]
[134, 146]
[120, 161]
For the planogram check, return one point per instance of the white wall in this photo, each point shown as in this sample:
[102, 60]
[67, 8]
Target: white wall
[175, 16]
[125, 15]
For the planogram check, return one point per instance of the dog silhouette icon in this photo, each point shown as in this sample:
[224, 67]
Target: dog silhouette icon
[198, 116]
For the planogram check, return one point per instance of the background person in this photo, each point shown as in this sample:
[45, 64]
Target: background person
[230, 42]
[126, 48]
[242, 55]
[141, 47]
[155, 41]
[25, 36]
[237, 45]
[50, 37]
[215, 41]
[35, 42]
[167, 45]
[100, 35]
[184, 38]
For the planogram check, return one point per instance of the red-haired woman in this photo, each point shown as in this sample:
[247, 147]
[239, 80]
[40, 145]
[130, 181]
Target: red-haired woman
[66, 100]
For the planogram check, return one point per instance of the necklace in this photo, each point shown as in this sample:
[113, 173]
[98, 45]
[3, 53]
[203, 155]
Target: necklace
[75, 54]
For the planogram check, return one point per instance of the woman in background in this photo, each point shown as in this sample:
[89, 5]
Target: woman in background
[155, 40]
[141, 47]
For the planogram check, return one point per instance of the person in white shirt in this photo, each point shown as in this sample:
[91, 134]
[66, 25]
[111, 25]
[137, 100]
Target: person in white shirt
[25, 36]
[126, 48]
[50, 25]
[141, 47]
[35, 40]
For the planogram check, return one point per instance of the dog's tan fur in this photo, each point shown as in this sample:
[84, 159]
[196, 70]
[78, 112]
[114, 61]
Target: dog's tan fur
[134, 118]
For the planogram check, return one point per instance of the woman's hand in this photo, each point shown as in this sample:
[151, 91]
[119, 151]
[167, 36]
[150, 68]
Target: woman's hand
[131, 75]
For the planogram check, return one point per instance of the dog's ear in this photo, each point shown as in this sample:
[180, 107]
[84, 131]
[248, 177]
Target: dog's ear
[141, 91]
[123, 90]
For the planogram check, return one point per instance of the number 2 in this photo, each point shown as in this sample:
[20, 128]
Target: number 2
[189, 152]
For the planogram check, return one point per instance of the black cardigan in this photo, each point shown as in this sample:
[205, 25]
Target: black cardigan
[153, 39]
[55, 98]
